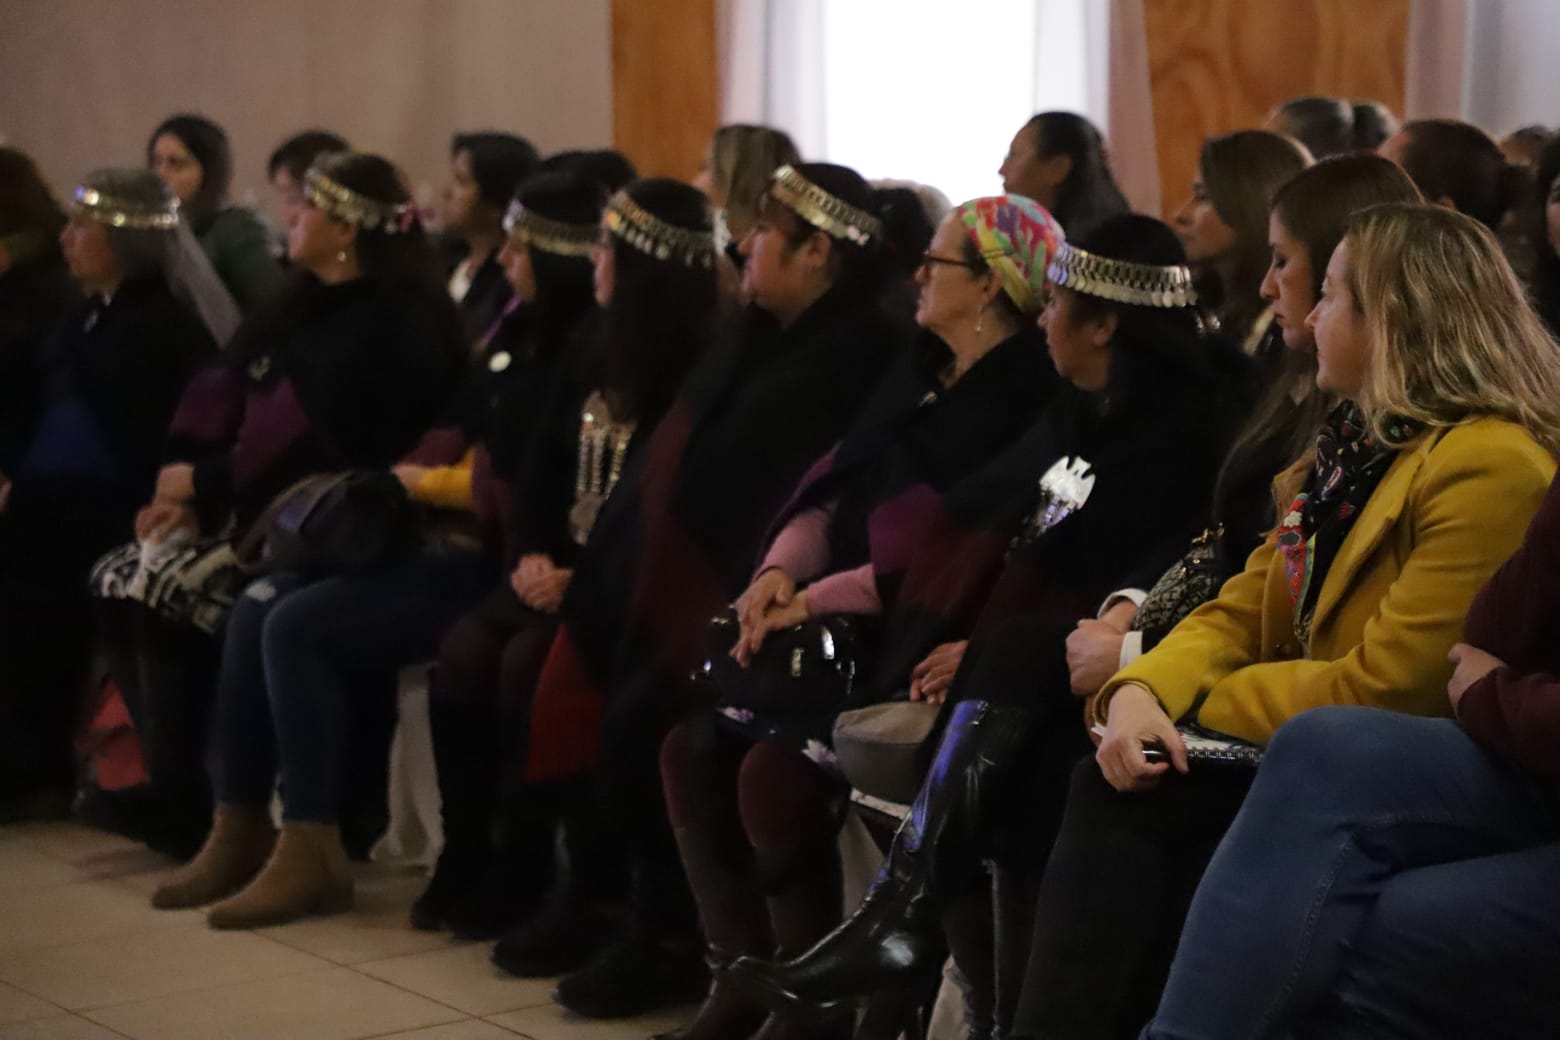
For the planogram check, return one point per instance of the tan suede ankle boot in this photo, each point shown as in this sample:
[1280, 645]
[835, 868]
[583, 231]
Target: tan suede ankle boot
[240, 841]
[307, 874]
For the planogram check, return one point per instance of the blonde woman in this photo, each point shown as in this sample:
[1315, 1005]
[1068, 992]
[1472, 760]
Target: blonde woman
[1421, 485]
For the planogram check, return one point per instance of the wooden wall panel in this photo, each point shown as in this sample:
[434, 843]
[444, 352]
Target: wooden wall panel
[665, 91]
[1222, 65]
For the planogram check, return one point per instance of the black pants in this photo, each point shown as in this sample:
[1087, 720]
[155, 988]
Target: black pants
[1115, 895]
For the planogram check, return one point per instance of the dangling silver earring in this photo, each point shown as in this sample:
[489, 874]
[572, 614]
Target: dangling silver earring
[341, 257]
[980, 320]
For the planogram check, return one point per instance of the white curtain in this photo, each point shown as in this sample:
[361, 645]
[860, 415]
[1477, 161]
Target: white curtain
[933, 90]
[1490, 62]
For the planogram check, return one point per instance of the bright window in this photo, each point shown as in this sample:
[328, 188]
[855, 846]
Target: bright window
[933, 91]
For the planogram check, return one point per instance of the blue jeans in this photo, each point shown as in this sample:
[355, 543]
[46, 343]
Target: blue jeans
[1384, 878]
[289, 648]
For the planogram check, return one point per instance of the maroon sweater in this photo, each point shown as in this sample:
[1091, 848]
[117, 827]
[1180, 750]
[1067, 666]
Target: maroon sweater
[1514, 712]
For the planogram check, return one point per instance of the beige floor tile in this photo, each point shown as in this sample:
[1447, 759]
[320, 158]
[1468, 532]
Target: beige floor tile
[554, 1023]
[16, 1006]
[139, 966]
[334, 1004]
[61, 1027]
[463, 978]
[375, 929]
[62, 915]
[68, 841]
[22, 866]
[471, 1029]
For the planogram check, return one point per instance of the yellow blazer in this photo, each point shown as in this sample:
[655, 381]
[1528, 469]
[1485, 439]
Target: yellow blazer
[1449, 510]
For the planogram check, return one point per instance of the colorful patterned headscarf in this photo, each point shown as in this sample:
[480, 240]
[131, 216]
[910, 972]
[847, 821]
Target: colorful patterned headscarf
[1018, 238]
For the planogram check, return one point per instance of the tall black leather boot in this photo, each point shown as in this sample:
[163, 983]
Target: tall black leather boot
[804, 892]
[1015, 890]
[893, 942]
[466, 755]
[734, 919]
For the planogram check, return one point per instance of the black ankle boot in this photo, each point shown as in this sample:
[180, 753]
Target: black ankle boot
[892, 945]
[656, 958]
[466, 755]
[519, 875]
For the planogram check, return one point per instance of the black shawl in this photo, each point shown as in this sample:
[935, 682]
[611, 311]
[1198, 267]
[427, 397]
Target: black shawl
[677, 539]
[1153, 456]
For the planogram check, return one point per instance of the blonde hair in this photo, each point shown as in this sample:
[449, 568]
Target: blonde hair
[1451, 335]
[742, 158]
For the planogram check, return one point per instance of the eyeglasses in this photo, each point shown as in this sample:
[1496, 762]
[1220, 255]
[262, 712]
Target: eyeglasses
[931, 259]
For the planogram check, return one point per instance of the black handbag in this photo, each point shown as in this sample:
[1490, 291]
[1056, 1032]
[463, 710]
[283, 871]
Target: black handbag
[800, 670]
[332, 524]
[1194, 580]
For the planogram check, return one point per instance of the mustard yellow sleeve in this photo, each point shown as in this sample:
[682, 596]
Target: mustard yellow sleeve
[448, 487]
[1469, 511]
[1217, 639]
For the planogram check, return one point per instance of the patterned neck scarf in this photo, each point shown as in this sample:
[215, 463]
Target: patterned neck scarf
[1349, 465]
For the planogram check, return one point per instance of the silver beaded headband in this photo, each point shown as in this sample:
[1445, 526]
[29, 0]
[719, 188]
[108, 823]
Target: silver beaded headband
[828, 213]
[655, 237]
[1141, 285]
[352, 207]
[105, 209]
[548, 235]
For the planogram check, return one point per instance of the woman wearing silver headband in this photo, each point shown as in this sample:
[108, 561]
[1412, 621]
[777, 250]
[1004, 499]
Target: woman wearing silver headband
[193, 157]
[344, 369]
[83, 456]
[650, 272]
[679, 536]
[1124, 459]
[462, 474]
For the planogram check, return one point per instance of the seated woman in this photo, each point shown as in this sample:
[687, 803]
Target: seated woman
[735, 174]
[1146, 417]
[37, 293]
[485, 171]
[1307, 222]
[1224, 224]
[80, 450]
[1391, 875]
[1355, 599]
[754, 814]
[1325, 125]
[1456, 164]
[192, 156]
[676, 542]
[344, 371]
[1059, 159]
[614, 385]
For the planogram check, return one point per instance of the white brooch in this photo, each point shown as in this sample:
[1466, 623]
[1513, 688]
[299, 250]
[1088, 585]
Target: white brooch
[499, 362]
[1064, 489]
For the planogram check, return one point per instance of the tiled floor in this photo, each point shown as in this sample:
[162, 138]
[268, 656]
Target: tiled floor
[83, 956]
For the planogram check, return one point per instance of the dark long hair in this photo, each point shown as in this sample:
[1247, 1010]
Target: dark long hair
[1315, 207]
[659, 319]
[1241, 173]
[27, 206]
[404, 259]
[208, 143]
[852, 266]
[1453, 160]
[1090, 193]
[1546, 264]
[564, 290]
[499, 162]
[1150, 342]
